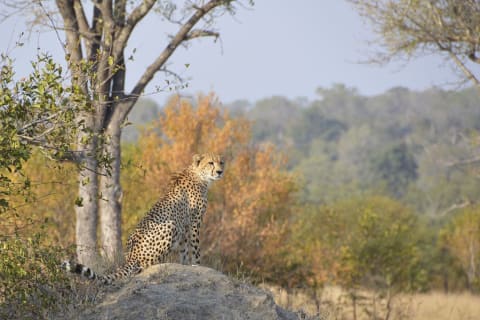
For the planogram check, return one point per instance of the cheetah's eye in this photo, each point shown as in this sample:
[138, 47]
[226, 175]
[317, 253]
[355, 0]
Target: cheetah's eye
[210, 163]
[221, 163]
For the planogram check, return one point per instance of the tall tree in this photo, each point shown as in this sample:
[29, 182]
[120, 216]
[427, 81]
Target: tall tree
[410, 28]
[95, 52]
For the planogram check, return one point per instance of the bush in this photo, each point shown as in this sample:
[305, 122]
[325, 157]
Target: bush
[32, 286]
[371, 241]
[461, 238]
[245, 224]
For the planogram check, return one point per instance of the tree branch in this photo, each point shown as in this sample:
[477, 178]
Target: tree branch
[470, 76]
[96, 31]
[171, 73]
[455, 206]
[82, 23]
[463, 162]
[426, 27]
[120, 12]
[124, 34]
[41, 120]
[117, 92]
[74, 47]
[473, 57]
[201, 33]
[105, 67]
[105, 7]
[139, 12]
[183, 34]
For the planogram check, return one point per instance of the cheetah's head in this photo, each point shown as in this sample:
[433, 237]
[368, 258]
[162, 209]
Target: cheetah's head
[209, 167]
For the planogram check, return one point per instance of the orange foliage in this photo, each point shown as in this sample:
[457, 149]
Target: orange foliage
[248, 208]
[51, 205]
[186, 130]
[246, 222]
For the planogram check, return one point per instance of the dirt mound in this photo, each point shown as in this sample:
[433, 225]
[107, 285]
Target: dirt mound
[173, 291]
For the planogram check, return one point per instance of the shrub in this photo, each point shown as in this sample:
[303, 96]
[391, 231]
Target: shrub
[32, 286]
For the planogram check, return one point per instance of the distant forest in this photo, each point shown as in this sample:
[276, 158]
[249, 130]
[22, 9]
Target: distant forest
[419, 147]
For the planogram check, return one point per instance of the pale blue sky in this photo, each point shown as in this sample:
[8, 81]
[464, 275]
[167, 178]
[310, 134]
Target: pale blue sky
[279, 47]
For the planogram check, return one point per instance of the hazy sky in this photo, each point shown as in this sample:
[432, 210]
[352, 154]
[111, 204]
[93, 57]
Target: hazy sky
[279, 47]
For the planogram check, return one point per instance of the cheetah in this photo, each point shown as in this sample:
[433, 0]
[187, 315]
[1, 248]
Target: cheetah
[171, 225]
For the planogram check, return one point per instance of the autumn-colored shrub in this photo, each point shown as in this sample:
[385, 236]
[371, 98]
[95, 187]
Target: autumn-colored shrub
[245, 224]
[34, 236]
[50, 202]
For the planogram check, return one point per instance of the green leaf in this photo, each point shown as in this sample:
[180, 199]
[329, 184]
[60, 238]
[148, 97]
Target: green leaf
[79, 202]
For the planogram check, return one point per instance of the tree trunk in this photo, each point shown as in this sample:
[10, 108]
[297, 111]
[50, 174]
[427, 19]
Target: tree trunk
[86, 209]
[102, 41]
[111, 197]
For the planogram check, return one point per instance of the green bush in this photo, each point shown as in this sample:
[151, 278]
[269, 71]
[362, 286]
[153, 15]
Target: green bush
[32, 286]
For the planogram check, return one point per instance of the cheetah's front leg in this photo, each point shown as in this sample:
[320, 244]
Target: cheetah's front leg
[194, 243]
[184, 252]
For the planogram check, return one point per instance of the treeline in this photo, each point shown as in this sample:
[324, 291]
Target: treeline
[418, 147]
[390, 182]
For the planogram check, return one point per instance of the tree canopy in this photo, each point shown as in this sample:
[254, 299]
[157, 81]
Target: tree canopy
[405, 28]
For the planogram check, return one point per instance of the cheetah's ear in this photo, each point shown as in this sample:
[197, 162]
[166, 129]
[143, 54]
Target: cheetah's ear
[197, 158]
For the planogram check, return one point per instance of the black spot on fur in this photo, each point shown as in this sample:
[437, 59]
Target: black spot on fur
[78, 268]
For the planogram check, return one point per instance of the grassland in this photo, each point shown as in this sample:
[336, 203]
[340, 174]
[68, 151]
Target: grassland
[339, 304]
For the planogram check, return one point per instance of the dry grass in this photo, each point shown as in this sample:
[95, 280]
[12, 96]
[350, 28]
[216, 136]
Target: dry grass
[338, 304]
[440, 306]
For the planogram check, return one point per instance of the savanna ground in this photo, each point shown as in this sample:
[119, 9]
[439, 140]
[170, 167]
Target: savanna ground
[338, 303]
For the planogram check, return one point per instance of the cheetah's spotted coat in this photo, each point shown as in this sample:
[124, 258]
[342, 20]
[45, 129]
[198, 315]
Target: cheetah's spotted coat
[172, 224]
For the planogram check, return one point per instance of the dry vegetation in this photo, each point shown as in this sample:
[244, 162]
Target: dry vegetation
[257, 228]
[441, 306]
[338, 304]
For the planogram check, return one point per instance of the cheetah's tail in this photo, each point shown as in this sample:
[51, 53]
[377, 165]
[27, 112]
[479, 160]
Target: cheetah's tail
[124, 271]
